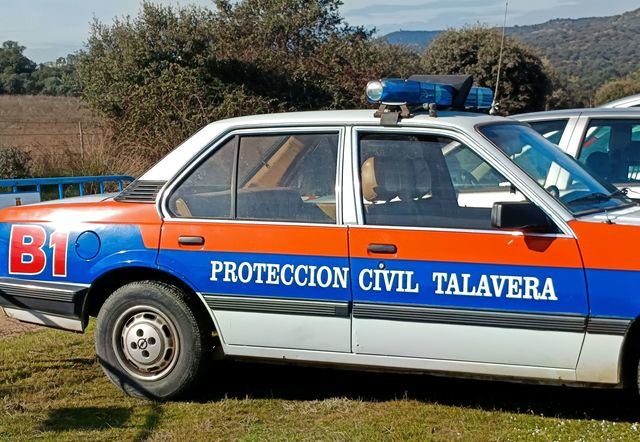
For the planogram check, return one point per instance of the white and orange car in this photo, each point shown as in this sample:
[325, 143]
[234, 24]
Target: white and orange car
[330, 238]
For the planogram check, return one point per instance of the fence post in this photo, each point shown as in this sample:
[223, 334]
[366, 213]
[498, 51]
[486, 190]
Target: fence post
[81, 140]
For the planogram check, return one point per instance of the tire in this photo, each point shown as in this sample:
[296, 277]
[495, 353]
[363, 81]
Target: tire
[149, 342]
[634, 388]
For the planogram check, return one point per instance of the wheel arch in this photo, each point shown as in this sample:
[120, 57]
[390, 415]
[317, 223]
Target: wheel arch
[630, 354]
[108, 282]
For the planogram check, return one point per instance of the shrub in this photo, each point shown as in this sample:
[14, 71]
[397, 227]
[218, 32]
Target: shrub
[14, 163]
[162, 75]
[524, 84]
[616, 89]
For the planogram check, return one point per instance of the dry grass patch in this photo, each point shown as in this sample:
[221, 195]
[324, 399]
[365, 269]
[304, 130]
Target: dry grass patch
[50, 129]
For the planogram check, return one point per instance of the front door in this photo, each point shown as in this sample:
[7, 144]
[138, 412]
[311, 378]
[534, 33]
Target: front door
[253, 227]
[432, 279]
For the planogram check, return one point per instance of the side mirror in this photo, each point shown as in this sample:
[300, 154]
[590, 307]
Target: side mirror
[522, 215]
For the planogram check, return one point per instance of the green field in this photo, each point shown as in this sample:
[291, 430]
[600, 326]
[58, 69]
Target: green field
[52, 388]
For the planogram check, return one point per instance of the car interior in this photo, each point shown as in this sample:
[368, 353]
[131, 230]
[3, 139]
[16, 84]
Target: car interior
[408, 183]
[284, 178]
[612, 151]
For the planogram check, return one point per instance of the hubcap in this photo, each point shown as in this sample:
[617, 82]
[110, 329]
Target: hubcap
[146, 343]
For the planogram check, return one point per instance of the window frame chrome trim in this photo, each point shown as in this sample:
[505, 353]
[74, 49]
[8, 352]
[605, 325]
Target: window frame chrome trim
[517, 177]
[514, 233]
[568, 135]
[350, 194]
[577, 138]
[176, 180]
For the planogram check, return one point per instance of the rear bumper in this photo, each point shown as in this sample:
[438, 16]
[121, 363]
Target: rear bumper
[50, 304]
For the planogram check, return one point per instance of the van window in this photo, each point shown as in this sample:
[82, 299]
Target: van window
[611, 150]
[552, 130]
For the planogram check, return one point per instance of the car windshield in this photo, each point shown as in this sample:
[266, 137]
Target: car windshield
[558, 173]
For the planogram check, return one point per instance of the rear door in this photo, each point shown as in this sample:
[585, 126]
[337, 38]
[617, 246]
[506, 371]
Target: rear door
[254, 226]
[432, 279]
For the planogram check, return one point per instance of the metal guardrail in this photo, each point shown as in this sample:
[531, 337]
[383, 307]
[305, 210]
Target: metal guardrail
[27, 184]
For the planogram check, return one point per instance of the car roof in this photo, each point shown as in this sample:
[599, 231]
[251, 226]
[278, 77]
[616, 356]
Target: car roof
[176, 159]
[353, 117]
[625, 101]
[600, 112]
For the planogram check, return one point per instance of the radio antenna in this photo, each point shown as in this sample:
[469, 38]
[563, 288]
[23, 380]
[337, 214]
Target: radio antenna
[495, 104]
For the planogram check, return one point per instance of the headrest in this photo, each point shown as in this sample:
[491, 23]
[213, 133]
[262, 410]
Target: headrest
[384, 178]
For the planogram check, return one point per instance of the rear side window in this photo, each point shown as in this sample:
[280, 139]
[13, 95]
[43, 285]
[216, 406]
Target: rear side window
[611, 150]
[284, 177]
[552, 130]
[288, 178]
[206, 193]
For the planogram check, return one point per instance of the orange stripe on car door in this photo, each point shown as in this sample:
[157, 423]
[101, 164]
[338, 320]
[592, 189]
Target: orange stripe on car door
[468, 247]
[259, 238]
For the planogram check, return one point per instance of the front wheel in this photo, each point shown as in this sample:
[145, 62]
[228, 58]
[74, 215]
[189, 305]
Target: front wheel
[149, 341]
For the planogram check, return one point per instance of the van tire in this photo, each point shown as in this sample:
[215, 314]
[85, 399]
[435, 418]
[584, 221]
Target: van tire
[148, 340]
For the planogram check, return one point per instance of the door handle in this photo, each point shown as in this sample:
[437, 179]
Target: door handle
[382, 248]
[191, 240]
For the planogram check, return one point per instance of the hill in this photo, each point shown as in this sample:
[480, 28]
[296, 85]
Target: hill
[418, 40]
[586, 51]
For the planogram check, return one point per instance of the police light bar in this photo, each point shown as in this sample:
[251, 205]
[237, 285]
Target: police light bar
[396, 91]
[479, 98]
[445, 91]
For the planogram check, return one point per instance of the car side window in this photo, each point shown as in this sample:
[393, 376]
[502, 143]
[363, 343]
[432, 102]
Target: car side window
[611, 150]
[288, 178]
[552, 130]
[206, 192]
[269, 178]
[428, 181]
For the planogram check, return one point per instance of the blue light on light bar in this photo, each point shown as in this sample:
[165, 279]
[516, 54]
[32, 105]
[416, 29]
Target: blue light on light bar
[398, 91]
[479, 98]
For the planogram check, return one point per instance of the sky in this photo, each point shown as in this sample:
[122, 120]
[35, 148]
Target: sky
[54, 28]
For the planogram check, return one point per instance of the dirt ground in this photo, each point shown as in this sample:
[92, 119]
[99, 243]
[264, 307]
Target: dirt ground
[11, 327]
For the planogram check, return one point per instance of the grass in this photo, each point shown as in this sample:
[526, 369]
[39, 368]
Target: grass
[51, 388]
[46, 125]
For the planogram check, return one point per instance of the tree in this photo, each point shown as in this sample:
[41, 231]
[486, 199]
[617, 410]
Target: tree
[156, 77]
[524, 84]
[563, 92]
[20, 75]
[15, 69]
[163, 74]
[58, 78]
[306, 55]
[615, 89]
